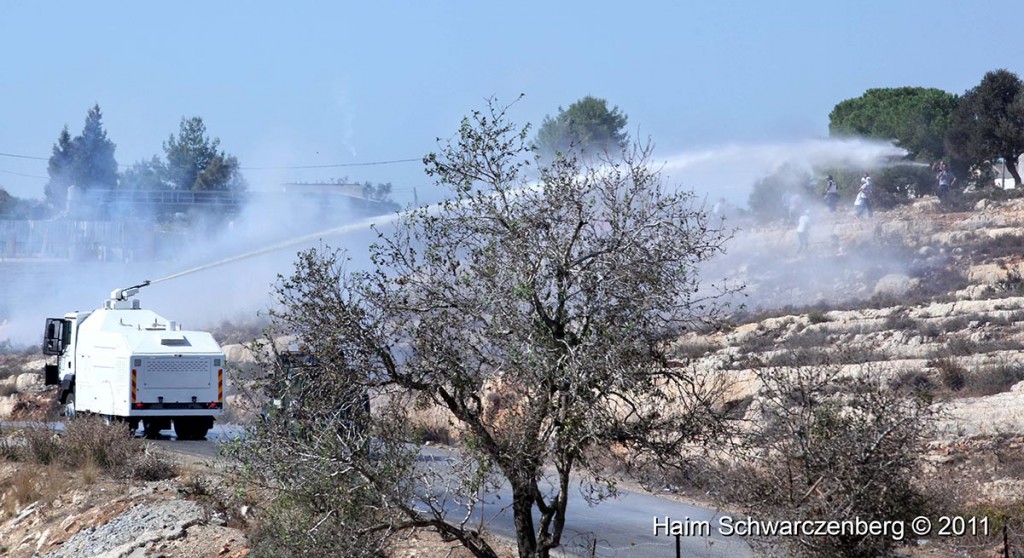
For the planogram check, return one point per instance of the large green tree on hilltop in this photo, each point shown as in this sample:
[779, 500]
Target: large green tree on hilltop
[588, 125]
[195, 163]
[916, 118]
[989, 122]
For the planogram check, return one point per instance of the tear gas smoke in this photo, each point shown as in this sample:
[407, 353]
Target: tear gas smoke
[228, 275]
[730, 171]
[211, 288]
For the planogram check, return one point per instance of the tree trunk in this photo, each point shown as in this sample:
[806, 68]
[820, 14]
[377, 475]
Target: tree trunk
[522, 515]
[1011, 165]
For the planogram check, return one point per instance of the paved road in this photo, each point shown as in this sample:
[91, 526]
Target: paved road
[619, 528]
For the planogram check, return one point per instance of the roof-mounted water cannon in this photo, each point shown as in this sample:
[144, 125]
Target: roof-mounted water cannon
[119, 297]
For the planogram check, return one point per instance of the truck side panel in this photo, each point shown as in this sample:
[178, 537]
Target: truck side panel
[101, 383]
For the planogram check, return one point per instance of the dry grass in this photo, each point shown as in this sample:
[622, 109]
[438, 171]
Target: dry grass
[90, 445]
[900, 321]
[694, 349]
[953, 376]
[997, 379]
[31, 484]
[41, 445]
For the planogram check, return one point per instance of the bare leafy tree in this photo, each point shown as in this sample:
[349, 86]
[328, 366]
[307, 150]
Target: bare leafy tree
[534, 314]
[825, 445]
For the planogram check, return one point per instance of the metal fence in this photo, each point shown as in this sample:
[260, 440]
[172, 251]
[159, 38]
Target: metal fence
[75, 240]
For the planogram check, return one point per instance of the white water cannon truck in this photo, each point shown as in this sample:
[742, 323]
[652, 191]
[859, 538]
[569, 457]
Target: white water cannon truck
[126, 363]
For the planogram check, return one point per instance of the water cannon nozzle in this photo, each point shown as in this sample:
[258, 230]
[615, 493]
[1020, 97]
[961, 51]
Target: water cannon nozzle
[127, 292]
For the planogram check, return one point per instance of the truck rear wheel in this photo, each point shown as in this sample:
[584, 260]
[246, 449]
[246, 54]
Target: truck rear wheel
[192, 428]
[153, 427]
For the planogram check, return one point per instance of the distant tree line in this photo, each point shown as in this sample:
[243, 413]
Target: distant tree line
[970, 133]
[192, 162]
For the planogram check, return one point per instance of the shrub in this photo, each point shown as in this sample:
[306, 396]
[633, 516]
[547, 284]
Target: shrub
[990, 248]
[959, 346]
[41, 445]
[912, 382]
[431, 433]
[147, 466]
[998, 379]
[900, 321]
[758, 343]
[799, 357]
[829, 446]
[694, 349]
[928, 329]
[952, 375]
[817, 316]
[807, 339]
[958, 323]
[89, 442]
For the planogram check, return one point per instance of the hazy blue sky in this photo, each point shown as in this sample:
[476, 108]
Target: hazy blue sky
[316, 83]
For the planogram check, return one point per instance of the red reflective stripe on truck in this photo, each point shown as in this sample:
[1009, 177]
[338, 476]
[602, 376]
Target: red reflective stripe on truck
[135, 381]
[220, 384]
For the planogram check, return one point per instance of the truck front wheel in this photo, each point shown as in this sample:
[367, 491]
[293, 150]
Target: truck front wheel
[69, 407]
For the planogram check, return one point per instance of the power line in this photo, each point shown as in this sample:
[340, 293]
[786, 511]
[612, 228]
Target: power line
[23, 174]
[24, 157]
[339, 165]
[293, 167]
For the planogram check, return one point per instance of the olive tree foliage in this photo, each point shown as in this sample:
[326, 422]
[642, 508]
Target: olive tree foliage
[988, 123]
[824, 445]
[534, 314]
[342, 482]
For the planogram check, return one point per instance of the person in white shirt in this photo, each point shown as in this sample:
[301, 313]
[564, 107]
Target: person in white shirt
[863, 203]
[803, 229]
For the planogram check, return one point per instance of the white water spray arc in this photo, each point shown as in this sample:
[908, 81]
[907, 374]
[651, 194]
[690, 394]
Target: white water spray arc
[362, 225]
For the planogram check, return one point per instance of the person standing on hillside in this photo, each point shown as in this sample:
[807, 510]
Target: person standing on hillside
[864, 197]
[862, 203]
[794, 207]
[831, 194]
[803, 230]
[866, 185]
[945, 180]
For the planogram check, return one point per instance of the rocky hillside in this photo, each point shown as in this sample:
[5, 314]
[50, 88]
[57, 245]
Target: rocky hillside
[920, 297]
[916, 295]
